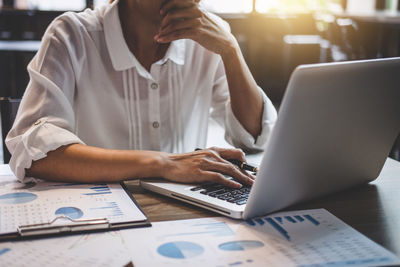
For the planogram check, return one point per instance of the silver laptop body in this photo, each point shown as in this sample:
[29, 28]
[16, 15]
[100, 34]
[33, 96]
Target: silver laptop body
[336, 126]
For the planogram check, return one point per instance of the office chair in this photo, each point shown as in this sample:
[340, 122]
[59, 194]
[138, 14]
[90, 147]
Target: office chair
[8, 112]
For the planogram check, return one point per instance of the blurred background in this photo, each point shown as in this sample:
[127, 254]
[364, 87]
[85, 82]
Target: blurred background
[275, 35]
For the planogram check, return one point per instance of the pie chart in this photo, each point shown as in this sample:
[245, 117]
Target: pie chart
[241, 245]
[17, 198]
[180, 250]
[71, 212]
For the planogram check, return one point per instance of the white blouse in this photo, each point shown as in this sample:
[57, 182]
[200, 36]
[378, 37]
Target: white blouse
[87, 87]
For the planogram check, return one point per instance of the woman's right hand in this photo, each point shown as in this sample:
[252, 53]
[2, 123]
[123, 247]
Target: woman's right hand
[208, 165]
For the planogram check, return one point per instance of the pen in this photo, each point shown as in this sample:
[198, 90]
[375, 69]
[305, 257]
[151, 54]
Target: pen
[242, 165]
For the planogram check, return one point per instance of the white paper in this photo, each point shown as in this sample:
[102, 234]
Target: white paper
[5, 170]
[40, 202]
[301, 238]
[101, 249]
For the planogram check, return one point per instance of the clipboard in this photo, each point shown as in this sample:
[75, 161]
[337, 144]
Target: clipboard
[68, 223]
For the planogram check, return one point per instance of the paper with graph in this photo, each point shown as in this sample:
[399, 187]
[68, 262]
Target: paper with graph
[39, 202]
[95, 249]
[299, 238]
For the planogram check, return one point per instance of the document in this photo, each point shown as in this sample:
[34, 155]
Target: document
[308, 238]
[63, 204]
[299, 238]
[96, 249]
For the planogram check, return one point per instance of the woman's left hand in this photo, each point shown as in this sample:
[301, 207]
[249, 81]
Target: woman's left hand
[184, 19]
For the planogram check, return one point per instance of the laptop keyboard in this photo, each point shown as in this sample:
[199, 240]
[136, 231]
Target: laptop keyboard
[232, 195]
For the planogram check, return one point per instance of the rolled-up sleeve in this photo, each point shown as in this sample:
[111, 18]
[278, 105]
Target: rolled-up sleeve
[235, 133]
[45, 119]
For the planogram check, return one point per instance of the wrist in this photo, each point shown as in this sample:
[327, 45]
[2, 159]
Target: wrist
[161, 164]
[231, 50]
[145, 164]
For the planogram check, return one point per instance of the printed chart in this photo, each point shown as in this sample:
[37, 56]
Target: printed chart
[71, 212]
[112, 209]
[180, 250]
[17, 198]
[302, 238]
[278, 222]
[71, 251]
[41, 202]
[100, 189]
[241, 245]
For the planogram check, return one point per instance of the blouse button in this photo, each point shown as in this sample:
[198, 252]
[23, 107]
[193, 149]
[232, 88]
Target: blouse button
[154, 86]
[156, 124]
[37, 122]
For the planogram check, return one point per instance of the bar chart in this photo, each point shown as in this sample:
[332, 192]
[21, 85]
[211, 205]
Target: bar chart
[305, 238]
[279, 222]
[99, 189]
[111, 209]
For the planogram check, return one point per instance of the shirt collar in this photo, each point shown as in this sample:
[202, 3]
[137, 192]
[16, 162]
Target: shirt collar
[175, 52]
[121, 57]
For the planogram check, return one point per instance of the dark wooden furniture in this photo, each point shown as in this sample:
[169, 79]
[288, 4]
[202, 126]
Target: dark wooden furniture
[373, 209]
[14, 58]
[8, 112]
[379, 32]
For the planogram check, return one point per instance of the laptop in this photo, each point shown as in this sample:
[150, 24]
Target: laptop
[335, 128]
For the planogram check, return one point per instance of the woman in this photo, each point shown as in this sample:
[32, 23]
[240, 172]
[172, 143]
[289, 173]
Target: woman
[125, 91]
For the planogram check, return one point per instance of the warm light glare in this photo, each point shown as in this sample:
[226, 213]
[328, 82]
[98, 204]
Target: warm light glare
[290, 6]
[98, 3]
[61, 5]
[270, 6]
[217, 6]
[228, 6]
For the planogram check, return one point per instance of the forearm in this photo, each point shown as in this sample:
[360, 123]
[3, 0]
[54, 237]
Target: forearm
[80, 163]
[185, 20]
[85, 164]
[246, 99]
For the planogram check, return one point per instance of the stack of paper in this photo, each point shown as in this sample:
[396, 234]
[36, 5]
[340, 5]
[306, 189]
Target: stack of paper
[41, 203]
[300, 238]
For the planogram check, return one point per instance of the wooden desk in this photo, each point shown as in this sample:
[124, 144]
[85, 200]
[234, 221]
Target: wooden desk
[372, 209]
